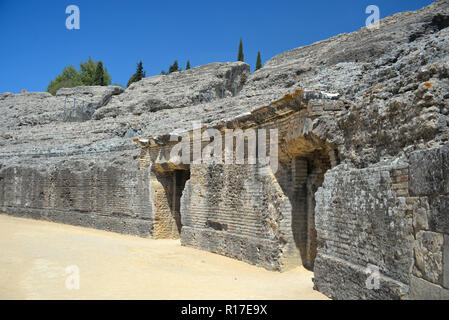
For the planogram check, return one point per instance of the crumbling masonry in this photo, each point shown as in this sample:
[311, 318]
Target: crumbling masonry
[359, 192]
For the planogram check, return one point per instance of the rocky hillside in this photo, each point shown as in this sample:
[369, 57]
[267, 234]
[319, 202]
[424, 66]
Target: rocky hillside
[393, 82]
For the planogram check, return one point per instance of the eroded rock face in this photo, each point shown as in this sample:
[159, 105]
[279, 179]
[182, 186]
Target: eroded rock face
[393, 83]
[179, 90]
[429, 256]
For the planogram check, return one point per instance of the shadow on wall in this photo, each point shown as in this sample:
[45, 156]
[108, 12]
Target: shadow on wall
[300, 175]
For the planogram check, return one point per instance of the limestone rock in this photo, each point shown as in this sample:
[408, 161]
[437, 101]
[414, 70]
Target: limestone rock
[429, 256]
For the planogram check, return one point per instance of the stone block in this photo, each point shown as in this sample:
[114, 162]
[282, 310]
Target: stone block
[439, 214]
[429, 256]
[429, 171]
[421, 214]
[421, 289]
[446, 262]
[342, 280]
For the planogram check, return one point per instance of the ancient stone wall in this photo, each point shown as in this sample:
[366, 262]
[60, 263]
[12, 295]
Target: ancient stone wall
[107, 198]
[391, 218]
[370, 97]
[429, 198]
[250, 212]
[361, 221]
[242, 212]
[235, 211]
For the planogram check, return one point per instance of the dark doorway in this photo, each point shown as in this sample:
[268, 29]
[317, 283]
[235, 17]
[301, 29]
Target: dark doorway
[180, 177]
[299, 179]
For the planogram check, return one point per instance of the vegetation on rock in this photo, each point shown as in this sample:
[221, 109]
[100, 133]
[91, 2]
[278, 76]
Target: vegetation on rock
[240, 56]
[91, 73]
[88, 71]
[174, 67]
[259, 61]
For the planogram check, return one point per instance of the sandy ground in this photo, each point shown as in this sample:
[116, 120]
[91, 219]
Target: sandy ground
[35, 255]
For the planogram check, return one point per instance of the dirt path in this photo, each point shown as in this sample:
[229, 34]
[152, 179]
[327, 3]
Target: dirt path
[34, 256]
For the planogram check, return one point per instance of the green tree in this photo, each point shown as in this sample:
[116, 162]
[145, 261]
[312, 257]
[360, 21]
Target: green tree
[240, 56]
[188, 65]
[174, 67]
[138, 75]
[88, 71]
[99, 75]
[259, 61]
[69, 78]
[89, 75]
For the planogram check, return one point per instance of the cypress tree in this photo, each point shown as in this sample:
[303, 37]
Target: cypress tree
[188, 65]
[174, 67]
[259, 61]
[99, 75]
[138, 75]
[240, 56]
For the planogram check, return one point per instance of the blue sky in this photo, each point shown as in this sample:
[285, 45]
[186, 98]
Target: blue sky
[36, 45]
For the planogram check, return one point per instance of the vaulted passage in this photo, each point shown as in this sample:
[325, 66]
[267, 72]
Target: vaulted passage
[167, 192]
[307, 177]
[180, 177]
[301, 173]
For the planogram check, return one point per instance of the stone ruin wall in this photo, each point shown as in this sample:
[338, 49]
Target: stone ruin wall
[362, 180]
[70, 158]
[429, 198]
[234, 211]
[50, 170]
[392, 216]
[106, 198]
[240, 211]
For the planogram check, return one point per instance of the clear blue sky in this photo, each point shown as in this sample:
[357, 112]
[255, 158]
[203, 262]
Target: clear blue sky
[35, 44]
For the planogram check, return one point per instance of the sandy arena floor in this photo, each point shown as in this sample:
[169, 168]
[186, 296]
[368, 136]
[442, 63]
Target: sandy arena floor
[34, 256]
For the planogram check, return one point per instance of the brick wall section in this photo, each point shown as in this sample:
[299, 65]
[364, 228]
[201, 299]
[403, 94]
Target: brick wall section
[264, 220]
[234, 211]
[298, 198]
[399, 179]
[299, 179]
[108, 198]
